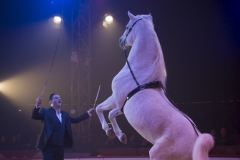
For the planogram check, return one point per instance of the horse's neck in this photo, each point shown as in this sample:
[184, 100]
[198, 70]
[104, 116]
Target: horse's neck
[144, 46]
[146, 56]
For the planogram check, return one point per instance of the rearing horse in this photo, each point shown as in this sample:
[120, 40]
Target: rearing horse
[138, 89]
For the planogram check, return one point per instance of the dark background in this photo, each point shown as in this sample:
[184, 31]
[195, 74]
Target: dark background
[200, 42]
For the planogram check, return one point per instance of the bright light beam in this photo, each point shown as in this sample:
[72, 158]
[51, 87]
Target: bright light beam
[108, 19]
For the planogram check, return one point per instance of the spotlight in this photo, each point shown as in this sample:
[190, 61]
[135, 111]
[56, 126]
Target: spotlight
[108, 19]
[57, 19]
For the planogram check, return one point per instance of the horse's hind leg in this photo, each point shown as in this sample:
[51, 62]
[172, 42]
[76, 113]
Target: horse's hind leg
[161, 150]
[106, 105]
[112, 117]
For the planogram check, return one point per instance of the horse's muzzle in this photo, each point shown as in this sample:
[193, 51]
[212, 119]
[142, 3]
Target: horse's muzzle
[122, 42]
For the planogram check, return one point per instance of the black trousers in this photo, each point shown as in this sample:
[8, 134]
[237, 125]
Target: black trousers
[53, 152]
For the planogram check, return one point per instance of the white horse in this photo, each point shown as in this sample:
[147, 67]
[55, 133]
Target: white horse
[173, 135]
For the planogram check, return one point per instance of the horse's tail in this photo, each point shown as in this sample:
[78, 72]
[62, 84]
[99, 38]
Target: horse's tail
[202, 146]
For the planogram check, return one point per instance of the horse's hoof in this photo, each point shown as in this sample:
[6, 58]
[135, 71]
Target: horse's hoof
[110, 132]
[123, 138]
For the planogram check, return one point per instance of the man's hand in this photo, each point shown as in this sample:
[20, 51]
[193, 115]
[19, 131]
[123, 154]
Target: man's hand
[91, 111]
[39, 101]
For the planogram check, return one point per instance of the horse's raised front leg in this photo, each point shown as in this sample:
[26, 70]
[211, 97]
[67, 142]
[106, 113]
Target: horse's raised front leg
[112, 117]
[108, 104]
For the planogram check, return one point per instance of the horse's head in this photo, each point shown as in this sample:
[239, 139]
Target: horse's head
[127, 38]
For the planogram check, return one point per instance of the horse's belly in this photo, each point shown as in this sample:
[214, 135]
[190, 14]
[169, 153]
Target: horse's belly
[153, 117]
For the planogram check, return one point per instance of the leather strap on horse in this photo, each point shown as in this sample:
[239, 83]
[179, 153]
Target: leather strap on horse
[156, 84]
[124, 48]
[134, 78]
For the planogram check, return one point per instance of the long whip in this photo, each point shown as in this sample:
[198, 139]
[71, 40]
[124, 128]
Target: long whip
[52, 60]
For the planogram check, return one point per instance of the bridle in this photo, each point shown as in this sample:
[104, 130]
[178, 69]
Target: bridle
[129, 30]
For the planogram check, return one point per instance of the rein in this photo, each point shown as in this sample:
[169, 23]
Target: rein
[125, 52]
[134, 78]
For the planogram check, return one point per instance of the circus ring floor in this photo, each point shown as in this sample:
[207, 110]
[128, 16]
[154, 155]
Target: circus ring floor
[118, 158]
[217, 153]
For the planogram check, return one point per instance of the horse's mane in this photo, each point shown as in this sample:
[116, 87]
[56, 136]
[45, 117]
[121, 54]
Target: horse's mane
[158, 69]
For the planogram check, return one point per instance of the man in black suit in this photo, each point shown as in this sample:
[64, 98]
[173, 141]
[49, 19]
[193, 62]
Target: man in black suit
[56, 131]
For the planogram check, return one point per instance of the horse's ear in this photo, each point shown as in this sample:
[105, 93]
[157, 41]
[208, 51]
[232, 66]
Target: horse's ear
[130, 15]
[150, 16]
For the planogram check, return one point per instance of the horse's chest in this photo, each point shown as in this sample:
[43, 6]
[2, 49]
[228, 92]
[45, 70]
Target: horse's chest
[122, 79]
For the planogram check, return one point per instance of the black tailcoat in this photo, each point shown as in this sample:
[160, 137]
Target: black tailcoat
[50, 120]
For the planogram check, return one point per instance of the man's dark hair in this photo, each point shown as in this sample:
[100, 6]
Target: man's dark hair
[51, 96]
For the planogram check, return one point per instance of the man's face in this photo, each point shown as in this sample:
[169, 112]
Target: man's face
[56, 101]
